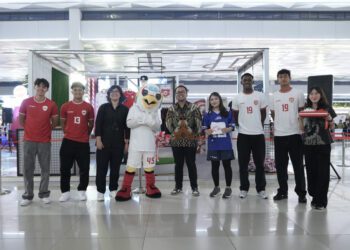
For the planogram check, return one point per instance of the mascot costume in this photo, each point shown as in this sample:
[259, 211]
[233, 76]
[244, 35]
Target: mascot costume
[143, 120]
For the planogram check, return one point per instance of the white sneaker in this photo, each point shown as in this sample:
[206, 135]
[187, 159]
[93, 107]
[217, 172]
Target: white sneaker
[100, 196]
[46, 200]
[82, 195]
[25, 202]
[113, 194]
[243, 194]
[262, 194]
[65, 197]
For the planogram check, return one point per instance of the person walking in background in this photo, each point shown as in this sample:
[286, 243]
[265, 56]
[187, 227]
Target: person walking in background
[285, 105]
[184, 121]
[38, 115]
[218, 124]
[112, 139]
[249, 109]
[317, 147]
[77, 120]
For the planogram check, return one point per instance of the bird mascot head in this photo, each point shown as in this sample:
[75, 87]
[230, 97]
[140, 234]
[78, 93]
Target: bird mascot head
[149, 98]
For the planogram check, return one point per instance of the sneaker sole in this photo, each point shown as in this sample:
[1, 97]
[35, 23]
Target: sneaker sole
[263, 198]
[25, 205]
[176, 193]
[213, 196]
[154, 196]
[122, 199]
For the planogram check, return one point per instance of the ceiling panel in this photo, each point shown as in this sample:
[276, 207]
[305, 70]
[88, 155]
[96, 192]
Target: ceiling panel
[303, 57]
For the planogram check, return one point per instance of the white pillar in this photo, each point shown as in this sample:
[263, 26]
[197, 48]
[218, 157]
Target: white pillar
[266, 79]
[30, 73]
[177, 80]
[75, 44]
[74, 29]
[266, 72]
[238, 87]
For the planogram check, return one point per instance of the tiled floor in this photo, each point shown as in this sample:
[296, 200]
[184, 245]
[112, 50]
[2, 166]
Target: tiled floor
[175, 222]
[180, 222]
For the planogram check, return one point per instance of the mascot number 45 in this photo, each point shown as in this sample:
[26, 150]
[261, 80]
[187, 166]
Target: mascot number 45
[143, 121]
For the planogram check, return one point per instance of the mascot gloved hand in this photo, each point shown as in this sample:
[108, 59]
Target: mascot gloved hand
[143, 121]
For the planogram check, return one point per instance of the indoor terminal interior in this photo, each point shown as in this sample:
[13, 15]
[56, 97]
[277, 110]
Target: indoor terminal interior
[200, 47]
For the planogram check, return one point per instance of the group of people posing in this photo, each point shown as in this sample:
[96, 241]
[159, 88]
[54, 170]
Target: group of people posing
[294, 136]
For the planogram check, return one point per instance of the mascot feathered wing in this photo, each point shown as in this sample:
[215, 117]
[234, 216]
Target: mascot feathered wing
[143, 121]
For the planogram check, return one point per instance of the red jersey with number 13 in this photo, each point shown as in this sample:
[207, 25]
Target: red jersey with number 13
[77, 116]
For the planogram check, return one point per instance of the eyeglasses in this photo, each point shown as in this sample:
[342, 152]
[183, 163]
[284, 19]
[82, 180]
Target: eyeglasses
[115, 91]
[180, 92]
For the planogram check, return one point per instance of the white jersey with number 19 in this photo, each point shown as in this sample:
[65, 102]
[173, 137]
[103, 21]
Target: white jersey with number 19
[286, 107]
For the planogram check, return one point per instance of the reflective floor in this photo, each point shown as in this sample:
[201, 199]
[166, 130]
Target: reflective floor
[176, 222]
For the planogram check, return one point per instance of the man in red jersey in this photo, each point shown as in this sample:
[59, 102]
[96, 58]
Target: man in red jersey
[38, 115]
[77, 120]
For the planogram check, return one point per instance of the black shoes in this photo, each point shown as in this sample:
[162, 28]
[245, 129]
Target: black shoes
[302, 199]
[227, 194]
[280, 196]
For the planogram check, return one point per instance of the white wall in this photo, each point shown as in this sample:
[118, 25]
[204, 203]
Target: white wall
[189, 29]
[34, 30]
[215, 29]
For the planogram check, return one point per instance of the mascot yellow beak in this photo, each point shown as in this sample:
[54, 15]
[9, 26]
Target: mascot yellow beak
[150, 101]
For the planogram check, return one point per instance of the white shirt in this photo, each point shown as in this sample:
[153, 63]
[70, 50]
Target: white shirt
[286, 107]
[249, 116]
[143, 126]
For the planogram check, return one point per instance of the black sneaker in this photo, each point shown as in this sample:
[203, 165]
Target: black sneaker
[302, 199]
[320, 208]
[215, 192]
[195, 192]
[227, 193]
[176, 191]
[280, 196]
[313, 203]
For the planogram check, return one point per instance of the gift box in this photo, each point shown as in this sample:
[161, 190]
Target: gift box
[321, 113]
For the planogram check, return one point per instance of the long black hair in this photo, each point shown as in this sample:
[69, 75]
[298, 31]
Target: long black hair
[223, 111]
[322, 103]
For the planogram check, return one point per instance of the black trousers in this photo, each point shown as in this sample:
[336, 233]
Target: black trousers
[104, 158]
[74, 151]
[182, 154]
[255, 144]
[285, 147]
[317, 161]
[215, 165]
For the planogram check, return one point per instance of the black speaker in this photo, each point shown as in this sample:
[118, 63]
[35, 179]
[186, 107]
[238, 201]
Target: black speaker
[325, 82]
[7, 115]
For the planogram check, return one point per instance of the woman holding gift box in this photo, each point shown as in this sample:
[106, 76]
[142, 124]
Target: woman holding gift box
[317, 145]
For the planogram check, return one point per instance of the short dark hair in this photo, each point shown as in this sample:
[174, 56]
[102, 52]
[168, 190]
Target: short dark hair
[247, 74]
[181, 86]
[42, 81]
[283, 72]
[113, 87]
[77, 85]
